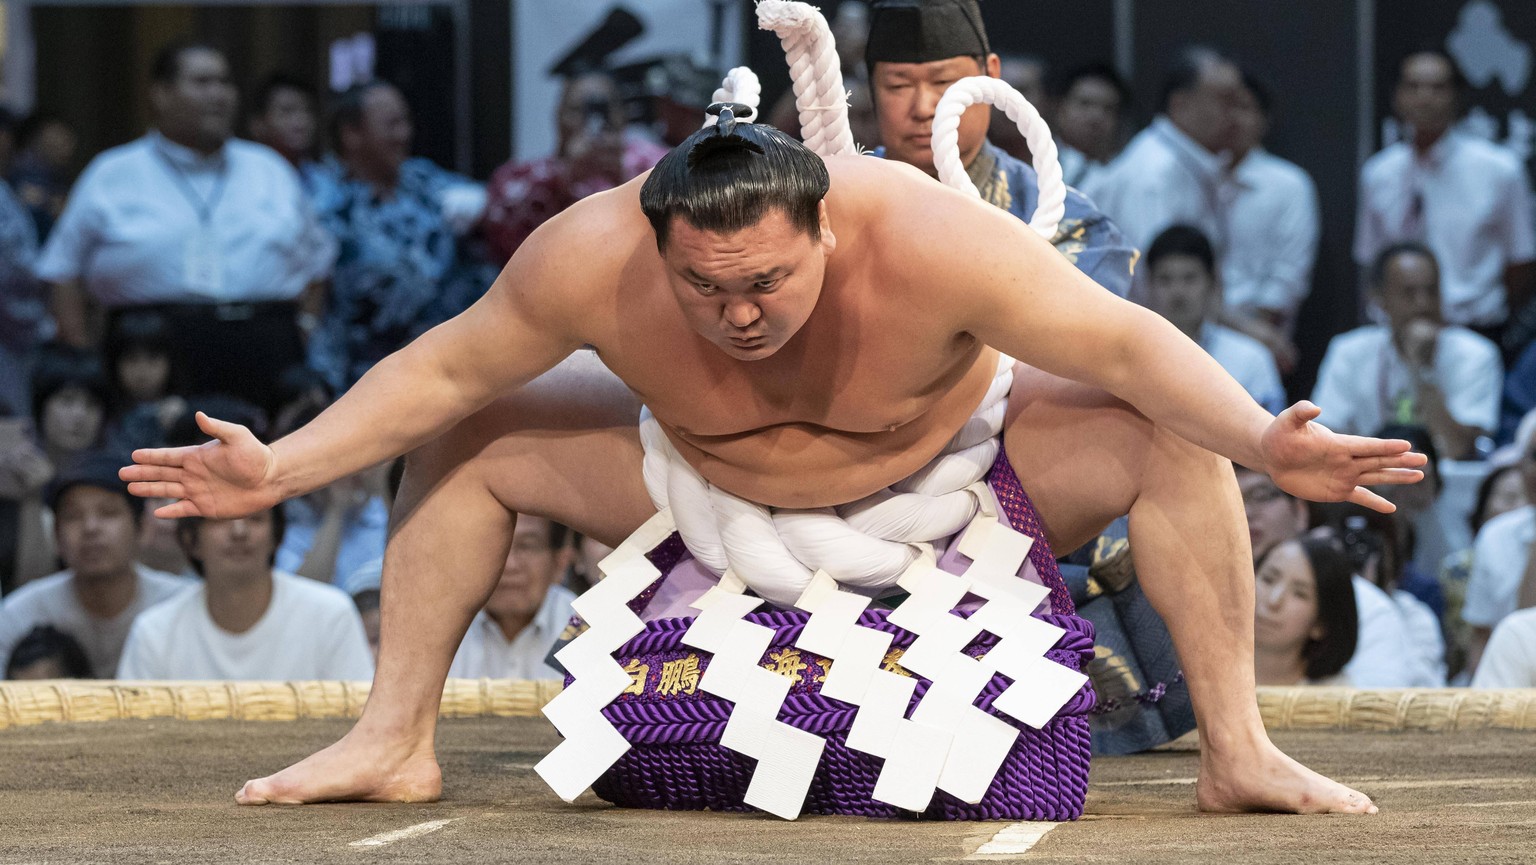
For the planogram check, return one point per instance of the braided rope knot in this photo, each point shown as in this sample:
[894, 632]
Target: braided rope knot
[815, 72]
[993, 91]
[865, 545]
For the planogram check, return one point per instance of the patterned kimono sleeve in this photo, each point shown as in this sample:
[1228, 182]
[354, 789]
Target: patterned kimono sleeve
[1094, 243]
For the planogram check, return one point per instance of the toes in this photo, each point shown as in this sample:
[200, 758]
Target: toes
[250, 794]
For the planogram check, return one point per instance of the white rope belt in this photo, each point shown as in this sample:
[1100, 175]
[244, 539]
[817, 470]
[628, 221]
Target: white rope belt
[865, 545]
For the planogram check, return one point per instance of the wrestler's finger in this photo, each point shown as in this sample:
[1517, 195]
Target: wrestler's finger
[1363, 446]
[177, 510]
[1365, 498]
[150, 473]
[1400, 461]
[222, 430]
[1300, 414]
[157, 490]
[1390, 476]
[160, 456]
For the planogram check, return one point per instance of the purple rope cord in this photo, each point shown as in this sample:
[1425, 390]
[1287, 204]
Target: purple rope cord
[677, 763]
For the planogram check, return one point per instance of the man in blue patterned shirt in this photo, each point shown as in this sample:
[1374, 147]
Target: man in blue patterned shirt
[911, 64]
[403, 265]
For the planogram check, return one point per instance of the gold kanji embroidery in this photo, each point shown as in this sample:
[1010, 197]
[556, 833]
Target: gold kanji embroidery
[638, 673]
[892, 663]
[679, 677]
[786, 663]
[825, 666]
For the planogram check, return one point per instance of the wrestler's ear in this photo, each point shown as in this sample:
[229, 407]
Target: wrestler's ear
[828, 239]
[994, 66]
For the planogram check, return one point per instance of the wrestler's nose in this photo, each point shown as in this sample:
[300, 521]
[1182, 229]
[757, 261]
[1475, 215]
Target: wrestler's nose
[742, 313]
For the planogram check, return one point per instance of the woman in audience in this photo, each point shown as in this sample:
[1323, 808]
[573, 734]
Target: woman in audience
[1305, 623]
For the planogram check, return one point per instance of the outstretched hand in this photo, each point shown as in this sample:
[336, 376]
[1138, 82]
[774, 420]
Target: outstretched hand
[1312, 462]
[229, 477]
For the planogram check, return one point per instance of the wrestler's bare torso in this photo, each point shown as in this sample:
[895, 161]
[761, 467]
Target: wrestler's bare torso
[865, 393]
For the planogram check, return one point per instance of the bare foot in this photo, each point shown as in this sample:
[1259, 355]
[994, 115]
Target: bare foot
[358, 768]
[1262, 778]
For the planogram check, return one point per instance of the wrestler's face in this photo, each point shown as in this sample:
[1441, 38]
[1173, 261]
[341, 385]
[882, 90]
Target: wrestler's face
[906, 97]
[1285, 603]
[749, 291]
[1273, 515]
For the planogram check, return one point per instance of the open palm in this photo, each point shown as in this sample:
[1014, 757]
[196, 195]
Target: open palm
[1312, 462]
[226, 478]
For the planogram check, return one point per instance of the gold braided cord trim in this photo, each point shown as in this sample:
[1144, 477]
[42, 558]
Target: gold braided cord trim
[1343, 709]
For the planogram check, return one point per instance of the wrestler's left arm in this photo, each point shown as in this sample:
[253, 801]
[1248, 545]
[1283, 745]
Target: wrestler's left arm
[1023, 298]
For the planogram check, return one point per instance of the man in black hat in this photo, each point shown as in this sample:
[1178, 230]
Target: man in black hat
[102, 588]
[916, 50]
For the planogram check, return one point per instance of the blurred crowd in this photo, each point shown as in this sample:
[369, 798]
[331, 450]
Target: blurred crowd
[254, 254]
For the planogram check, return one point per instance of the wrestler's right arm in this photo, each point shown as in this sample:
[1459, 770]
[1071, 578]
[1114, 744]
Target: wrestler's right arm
[522, 327]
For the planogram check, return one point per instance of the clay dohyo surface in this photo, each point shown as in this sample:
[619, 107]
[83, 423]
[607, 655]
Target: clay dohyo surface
[162, 791]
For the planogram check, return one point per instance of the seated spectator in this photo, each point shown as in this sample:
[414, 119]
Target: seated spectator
[1416, 369]
[69, 400]
[24, 470]
[1382, 642]
[401, 268]
[1503, 577]
[337, 528]
[512, 635]
[47, 653]
[41, 171]
[95, 599]
[1090, 103]
[145, 393]
[1501, 491]
[593, 154]
[246, 620]
[1185, 289]
[1510, 659]
[1305, 623]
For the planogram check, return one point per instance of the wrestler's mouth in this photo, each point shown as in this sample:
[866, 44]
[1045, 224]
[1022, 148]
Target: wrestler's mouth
[747, 342]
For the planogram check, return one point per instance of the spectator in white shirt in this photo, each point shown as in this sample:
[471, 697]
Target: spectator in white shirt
[1510, 659]
[527, 611]
[215, 232]
[1175, 171]
[1417, 369]
[246, 620]
[1272, 230]
[1183, 287]
[1468, 199]
[1089, 107]
[95, 599]
[1503, 576]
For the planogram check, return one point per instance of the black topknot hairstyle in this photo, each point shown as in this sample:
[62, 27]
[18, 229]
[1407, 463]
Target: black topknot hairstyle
[726, 177]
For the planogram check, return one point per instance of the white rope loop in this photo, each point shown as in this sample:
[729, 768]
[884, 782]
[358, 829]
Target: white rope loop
[996, 92]
[865, 546]
[815, 72]
[740, 86]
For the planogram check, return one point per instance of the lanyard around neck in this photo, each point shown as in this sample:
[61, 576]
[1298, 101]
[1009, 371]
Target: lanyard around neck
[203, 207]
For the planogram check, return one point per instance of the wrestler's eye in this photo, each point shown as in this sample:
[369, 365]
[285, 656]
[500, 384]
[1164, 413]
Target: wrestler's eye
[765, 284]
[705, 288]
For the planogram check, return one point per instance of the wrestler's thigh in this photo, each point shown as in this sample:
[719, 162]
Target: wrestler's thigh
[566, 447]
[1077, 450]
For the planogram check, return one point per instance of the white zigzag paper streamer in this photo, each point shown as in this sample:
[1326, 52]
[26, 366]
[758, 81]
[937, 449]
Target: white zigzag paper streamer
[914, 753]
[786, 757]
[592, 744]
